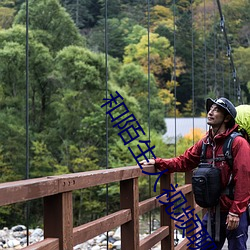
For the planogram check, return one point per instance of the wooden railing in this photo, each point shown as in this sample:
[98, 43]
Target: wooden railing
[56, 192]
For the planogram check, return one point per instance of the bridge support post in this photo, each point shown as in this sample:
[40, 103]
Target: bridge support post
[58, 219]
[129, 197]
[168, 242]
[190, 200]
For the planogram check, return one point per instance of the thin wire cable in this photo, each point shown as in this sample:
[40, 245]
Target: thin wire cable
[77, 13]
[175, 94]
[106, 82]
[193, 96]
[149, 176]
[27, 207]
[174, 73]
[205, 50]
[215, 52]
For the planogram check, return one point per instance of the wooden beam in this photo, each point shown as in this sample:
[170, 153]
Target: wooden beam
[99, 177]
[182, 245]
[154, 238]
[148, 205]
[46, 244]
[24, 190]
[90, 230]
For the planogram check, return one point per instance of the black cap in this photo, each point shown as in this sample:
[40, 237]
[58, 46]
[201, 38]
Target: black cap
[223, 103]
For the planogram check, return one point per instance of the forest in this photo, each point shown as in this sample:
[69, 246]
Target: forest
[164, 57]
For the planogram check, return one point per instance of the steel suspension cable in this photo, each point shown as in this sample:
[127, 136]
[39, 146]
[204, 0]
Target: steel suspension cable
[229, 54]
[221, 68]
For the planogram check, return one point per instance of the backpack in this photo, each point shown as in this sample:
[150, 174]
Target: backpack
[243, 120]
[206, 179]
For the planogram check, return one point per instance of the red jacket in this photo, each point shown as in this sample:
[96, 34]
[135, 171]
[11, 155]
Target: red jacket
[241, 167]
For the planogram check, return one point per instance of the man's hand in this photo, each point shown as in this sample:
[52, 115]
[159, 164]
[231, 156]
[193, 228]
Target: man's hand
[150, 162]
[232, 222]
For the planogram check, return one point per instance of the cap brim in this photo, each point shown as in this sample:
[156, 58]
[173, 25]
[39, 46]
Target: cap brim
[209, 103]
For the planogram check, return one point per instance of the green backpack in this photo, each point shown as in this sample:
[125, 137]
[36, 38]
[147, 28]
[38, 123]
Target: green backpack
[243, 120]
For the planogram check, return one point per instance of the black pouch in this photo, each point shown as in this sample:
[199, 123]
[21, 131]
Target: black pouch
[206, 182]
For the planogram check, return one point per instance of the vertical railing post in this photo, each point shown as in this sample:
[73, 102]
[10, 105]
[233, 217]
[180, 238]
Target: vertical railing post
[58, 219]
[190, 200]
[168, 242]
[189, 196]
[129, 198]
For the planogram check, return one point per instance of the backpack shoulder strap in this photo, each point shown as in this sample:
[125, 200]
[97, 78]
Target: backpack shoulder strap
[227, 148]
[203, 152]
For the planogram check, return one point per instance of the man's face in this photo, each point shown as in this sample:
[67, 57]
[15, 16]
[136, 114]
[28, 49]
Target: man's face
[215, 116]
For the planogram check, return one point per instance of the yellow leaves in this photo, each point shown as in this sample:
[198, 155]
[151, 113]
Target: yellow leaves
[179, 69]
[171, 85]
[159, 53]
[189, 139]
[161, 16]
[160, 12]
[203, 114]
[166, 96]
[170, 102]
[188, 107]
[195, 134]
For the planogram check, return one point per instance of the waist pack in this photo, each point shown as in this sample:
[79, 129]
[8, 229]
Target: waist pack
[206, 185]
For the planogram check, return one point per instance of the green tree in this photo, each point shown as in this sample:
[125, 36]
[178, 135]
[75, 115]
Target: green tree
[12, 113]
[53, 25]
[161, 16]
[241, 56]
[79, 73]
[161, 57]
[6, 17]
[42, 163]
[40, 60]
[84, 13]
[136, 83]
[117, 32]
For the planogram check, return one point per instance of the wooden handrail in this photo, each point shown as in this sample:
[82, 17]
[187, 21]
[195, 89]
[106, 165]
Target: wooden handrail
[58, 208]
[24, 190]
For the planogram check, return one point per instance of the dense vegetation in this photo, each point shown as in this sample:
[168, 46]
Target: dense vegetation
[72, 60]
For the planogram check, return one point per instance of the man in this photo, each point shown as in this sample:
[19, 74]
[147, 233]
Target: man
[221, 115]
